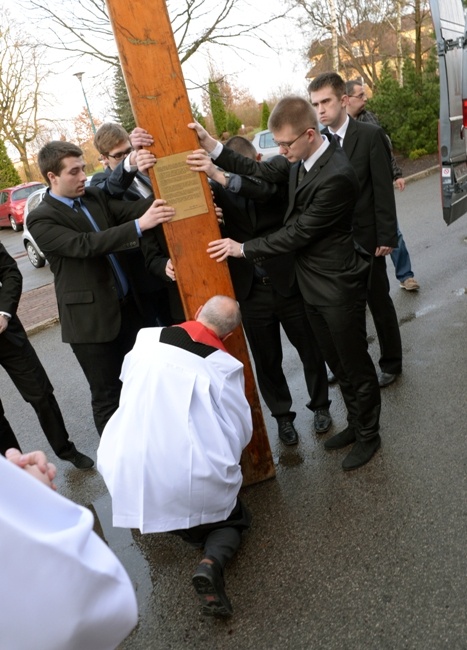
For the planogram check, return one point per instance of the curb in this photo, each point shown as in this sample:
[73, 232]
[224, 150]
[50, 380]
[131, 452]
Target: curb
[422, 174]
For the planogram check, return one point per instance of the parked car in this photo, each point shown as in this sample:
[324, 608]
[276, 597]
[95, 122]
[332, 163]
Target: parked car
[12, 202]
[36, 256]
[264, 144]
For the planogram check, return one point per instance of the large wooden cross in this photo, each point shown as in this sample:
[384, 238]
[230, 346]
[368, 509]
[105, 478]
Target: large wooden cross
[160, 104]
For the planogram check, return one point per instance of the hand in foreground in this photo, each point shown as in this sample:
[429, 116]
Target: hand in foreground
[3, 323]
[34, 463]
[221, 249]
[158, 213]
[205, 140]
[381, 251]
[170, 271]
[199, 161]
[140, 138]
[144, 160]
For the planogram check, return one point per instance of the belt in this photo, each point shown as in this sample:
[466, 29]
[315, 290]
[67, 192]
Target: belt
[263, 279]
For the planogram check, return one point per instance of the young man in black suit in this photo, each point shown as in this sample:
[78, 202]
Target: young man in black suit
[84, 233]
[125, 177]
[20, 361]
[375, 219]
[268, 293]
[332, 276]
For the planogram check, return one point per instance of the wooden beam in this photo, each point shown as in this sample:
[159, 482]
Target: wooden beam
[160, 104]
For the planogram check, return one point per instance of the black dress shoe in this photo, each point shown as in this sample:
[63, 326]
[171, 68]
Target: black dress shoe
[361, 453]
[341, 440]
[209, 585]
[287, 432]
[79, 460]
[322, 420]
[386, 378]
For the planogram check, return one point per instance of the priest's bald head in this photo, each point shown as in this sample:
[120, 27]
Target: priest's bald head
[221, 314]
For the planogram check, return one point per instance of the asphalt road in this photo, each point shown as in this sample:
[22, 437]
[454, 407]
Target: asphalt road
[369, 560]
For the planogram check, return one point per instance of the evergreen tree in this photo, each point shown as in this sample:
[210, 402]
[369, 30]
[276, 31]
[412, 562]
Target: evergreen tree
[233, 123]
[9, 177]
[409, 113]
[122, 106]
[265, 112]
[197, 115]
[218, 112]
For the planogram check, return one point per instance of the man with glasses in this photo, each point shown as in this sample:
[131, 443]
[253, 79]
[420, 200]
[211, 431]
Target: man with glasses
[323, 190]
[400, 255]
[125, 177]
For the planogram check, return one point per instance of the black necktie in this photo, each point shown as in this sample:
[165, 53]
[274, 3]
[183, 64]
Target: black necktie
[120, 278]
[337, 138]
[301, 172]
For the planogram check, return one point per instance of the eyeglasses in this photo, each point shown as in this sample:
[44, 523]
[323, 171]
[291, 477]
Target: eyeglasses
[120, 154]
[360, 96]
[287, 145]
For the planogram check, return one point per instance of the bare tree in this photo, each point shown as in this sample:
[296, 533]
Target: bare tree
[21, 77]
[82, 27]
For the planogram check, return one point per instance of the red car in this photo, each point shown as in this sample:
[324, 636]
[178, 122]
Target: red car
[12, 202]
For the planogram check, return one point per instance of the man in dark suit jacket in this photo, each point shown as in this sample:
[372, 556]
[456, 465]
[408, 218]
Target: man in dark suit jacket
[375, 220]
[123, 180]
[19, 359]
[268, 293]
[83, 241]
[323, 191]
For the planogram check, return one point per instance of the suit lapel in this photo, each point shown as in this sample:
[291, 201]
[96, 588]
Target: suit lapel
[351, 137]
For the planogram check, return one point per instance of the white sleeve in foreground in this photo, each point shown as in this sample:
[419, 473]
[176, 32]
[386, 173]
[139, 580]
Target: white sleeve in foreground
[60, 585]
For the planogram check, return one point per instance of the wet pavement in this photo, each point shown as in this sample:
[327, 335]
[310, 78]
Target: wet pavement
[373, 559]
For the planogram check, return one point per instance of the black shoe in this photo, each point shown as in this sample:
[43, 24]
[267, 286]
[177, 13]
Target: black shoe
[287, 432]
[361, 453]
[322, 420]
[341, 440]
[386, 378]
[79, 460]
[209, 586]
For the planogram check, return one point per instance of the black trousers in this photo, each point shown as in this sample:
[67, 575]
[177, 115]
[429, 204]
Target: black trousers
[28, 375]
[102, 363]
[220, 540]
[263, 312]
[341, 333]
[385, 318]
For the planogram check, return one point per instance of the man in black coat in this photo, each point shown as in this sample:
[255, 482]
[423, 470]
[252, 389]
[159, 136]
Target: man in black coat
[375, 219]
[268, 294]
[85, 234]
[332, 276]
[20, 361]
[123, 179]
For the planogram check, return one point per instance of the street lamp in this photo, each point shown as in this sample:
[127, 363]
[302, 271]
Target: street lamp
[79, 76]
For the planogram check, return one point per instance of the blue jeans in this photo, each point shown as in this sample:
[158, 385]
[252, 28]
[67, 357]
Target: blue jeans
[401, 259]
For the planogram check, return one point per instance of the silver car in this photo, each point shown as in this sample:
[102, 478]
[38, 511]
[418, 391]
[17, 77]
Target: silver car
[36, 256]
[264, 144]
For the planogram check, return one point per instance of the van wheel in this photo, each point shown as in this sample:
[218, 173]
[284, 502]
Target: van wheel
[34, 257]
[16, 226]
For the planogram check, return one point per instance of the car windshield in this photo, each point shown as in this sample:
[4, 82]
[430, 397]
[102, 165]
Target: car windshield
[24, 192]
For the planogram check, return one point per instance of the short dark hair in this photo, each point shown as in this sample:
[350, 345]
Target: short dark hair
[108, 136]
[241, 145]
[294, 111]
[51, 156]
[350, 86]
[328, 79]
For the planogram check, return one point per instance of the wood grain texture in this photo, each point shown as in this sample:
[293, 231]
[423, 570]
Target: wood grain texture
[160, 104]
